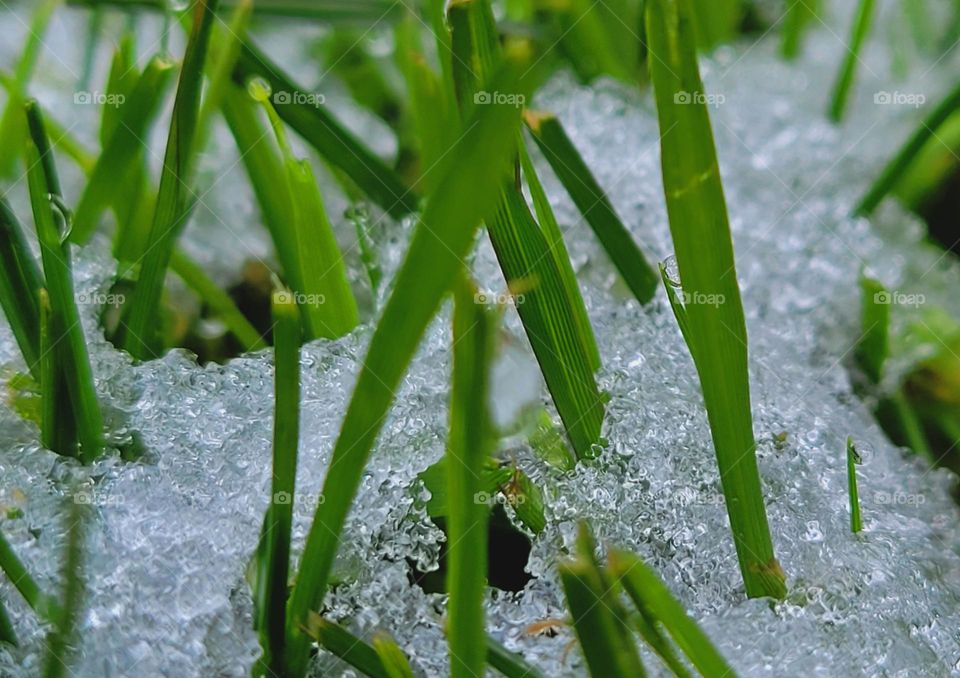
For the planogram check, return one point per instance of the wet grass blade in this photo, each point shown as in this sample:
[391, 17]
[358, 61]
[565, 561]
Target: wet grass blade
[13, 131]
[328, 136]
[341, 643]
[219, 301]
[67, 614]
[394, 662]
[315, 267]
[174, 196]
[509, 664]
[853, 458]
[472, 178]
[273, 553]
[70, 345]
[894, 171]
[598, 618]
[551, 231]
[20, 283]
[339, 12]
[650, 595]
[873, 348]
[799, 15]
[547, 297]
[713, 323]
[43, 605]
[7, 633]
[469, 447]
[848, 68]
[593, 204]
[123, 149]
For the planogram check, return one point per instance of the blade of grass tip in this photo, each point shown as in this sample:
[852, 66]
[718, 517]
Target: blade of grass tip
[441, 241]
[873, 348]
[893, 172]
[391, 656]
[598, 620]
[799, 14]
[173, 198]
[341, 643]
[848, 68]
[320, 278]
[715, 326]
[65, 319]
[545, 302]
[13, 131]
[20, 282]
[219, 301]
[593, 203]
[43, 605]
[63, 633]
[551, 230]
[274, 551]
[509, 664]
[328, 136]
[469, 447]
[123, 149]
[648, 592]
[853, 458]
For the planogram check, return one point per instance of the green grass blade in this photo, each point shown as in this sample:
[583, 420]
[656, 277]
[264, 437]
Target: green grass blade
[848, 68]
[874, 345]
[337, 12]
[391, 656]
[70, 343]
[529, 261]
[13, 130]
[63, 633]
[799, 15]
[654, 638]
[469, 447]
[219, 301]
[174, 197]
[341, 643]
[716, 329]
[121, 80]
[7, 633]
[46, 607]
[588, 33]
[893, 172]
[593, 204]
[717, 21]
[58, 426]
[598, 618]
[317, 271]
[551, 231]
[328, 136]
[274, 552]
[650, 595]
[441, 241]
[509, 664]
[123, 148]
[853, 458]
[20, 282]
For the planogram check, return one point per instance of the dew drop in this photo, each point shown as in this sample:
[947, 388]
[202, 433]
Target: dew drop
[672, 269]
[259, 89]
